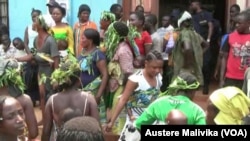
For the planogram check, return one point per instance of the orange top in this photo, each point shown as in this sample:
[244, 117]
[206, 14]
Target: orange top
[79, 28]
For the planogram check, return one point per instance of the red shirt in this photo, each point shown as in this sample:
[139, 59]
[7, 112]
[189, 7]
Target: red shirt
[238, 56]
[144, 40]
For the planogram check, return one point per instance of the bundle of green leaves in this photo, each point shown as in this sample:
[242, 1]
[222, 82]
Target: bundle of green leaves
[10, 75]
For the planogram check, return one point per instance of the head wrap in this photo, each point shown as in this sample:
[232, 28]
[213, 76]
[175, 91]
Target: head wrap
[106, 15]
[10, 77]
[185, 16]
[43, 23]
[232, 103]
[180, 84]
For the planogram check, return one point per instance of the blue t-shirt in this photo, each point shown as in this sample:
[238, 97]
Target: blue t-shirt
[200, 22]
[88, 64]
[224, 39]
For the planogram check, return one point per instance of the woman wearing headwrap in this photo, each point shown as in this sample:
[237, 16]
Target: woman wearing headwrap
[46, 55]
[69, 102]
[179, 96]
[227, 105]
[107, 18]
[62, 31]
[11, 84]
[120, 66]
[141, 89]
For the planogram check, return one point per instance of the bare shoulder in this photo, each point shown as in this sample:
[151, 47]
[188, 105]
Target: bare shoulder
[88, 95]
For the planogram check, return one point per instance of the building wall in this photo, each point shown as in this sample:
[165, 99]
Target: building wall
[19, 12]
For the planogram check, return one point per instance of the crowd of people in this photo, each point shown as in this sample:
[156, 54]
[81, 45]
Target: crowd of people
[128, 74]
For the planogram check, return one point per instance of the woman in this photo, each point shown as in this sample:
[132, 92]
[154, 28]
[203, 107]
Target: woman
[120, 65]
[30, 68]
[94, 72]
[106, 19]
[11, 84]
[30, 34]
[141, 89]
[227, 106]
[69, 102]
[12, 120]
[62, 31]
[79, 27]
[46, 56]
[144, 42]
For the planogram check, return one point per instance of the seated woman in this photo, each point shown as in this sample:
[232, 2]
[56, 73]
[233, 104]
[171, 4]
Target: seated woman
[11, 84]
[228, 105]
[69, 102]
[12, 119]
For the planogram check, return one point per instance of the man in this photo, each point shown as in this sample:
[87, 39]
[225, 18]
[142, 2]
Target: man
[117, 10]
[203, 25]
[150, 24]
[235, 53]
[166, 26]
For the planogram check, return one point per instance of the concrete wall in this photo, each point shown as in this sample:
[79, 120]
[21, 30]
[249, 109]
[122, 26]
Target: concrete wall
[20, 10]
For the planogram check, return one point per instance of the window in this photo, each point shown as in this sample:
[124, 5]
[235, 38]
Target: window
[4, 12]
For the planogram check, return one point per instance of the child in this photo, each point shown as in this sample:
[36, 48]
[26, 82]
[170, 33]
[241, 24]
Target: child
[19, 52]
[63, 48]
[20, 47]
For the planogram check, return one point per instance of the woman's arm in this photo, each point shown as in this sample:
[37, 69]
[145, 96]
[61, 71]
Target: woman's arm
[93, 107]
[47, 121]
[26, 40]
[26, 58]
[129, 89]
[56, 62]
[71, 40]
[30, 117]
[102, 66]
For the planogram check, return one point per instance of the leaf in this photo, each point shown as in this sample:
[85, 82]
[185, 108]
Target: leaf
[43, 79]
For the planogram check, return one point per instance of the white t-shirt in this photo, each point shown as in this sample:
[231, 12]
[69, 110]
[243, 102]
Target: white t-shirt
[139, 78]
[31, 35]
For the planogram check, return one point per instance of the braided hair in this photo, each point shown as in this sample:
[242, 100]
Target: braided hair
[154, 55]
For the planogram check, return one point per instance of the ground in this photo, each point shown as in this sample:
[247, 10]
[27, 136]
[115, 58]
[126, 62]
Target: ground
[200, 99]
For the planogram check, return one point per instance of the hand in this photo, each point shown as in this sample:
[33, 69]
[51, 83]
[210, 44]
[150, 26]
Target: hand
[98, 99]
[221, 83]
[108, 127]
[216, 75]
[132, 118]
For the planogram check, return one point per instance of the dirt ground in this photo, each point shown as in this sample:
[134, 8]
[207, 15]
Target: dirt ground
[200, 99]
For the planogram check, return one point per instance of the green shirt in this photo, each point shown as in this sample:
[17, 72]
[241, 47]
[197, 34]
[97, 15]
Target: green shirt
[159, 109]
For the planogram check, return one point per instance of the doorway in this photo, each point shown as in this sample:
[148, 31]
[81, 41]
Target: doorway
[218, 7]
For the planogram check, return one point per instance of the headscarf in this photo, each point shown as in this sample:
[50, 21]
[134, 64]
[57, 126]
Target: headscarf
[43, 23]
[67, 69]
[106, 15]
[10, 77]
[185, 16]
[180, 84]
[232, 103]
